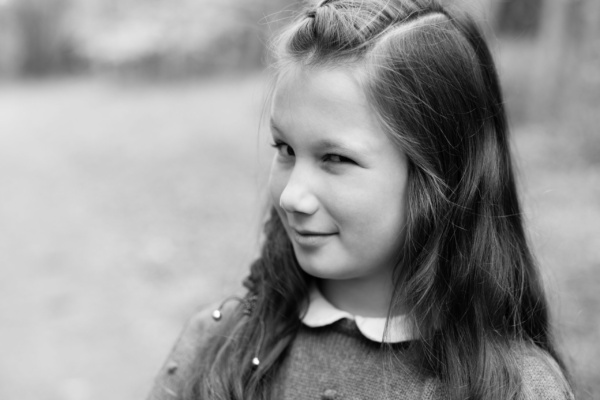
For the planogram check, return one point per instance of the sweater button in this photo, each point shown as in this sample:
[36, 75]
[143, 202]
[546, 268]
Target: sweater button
[172, 367]
[330, 394]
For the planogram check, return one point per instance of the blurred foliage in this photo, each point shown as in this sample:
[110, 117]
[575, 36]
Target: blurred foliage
[149, 38]
[137, 38]
[154, 38]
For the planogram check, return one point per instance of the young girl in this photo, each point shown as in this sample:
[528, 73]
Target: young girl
[395, 263]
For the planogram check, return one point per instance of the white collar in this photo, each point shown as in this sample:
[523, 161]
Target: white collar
[321, 312]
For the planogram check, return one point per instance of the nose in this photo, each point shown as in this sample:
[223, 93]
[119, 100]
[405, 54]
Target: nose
[297, 196]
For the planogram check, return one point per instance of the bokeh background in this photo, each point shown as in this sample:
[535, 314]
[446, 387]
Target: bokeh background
[132, 175]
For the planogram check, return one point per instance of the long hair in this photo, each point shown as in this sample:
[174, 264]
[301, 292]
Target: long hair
[466, 273]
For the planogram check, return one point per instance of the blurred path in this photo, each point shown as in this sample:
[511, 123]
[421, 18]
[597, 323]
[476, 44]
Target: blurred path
[123, 207]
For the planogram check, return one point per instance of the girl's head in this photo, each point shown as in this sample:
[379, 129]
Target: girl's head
[391, 139]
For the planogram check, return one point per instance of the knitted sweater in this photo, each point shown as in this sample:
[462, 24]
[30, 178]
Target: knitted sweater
[336, 362]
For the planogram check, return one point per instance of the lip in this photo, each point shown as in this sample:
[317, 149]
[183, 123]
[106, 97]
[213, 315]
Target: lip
[310, 238]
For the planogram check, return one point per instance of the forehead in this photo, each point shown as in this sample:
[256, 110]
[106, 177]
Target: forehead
[324, 103]
[330, 87]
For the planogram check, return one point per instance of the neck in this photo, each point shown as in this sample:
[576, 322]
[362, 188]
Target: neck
[364, 297]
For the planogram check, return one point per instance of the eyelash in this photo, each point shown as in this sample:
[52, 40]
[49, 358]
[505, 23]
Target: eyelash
[278, 145]
[342, 159]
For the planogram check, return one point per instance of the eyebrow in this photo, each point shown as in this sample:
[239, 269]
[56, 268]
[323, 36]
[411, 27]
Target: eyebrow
[327, 144]
[331, 145]
[274, 126]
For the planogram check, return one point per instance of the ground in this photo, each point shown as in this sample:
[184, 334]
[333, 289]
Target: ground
[126, 206]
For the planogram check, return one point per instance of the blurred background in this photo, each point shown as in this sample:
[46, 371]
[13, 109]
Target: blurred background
[132, 173]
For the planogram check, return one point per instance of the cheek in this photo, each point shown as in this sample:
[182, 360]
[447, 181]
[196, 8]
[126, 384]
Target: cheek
[373, 208]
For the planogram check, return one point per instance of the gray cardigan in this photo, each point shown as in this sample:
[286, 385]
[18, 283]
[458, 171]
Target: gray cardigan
[337, 363]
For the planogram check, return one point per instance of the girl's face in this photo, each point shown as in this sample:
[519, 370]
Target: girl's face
[337, 180]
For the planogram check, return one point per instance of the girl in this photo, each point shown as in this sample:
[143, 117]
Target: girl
[395, 264]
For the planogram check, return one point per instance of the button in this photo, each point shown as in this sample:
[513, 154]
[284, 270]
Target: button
[330, 394]
[172, 367]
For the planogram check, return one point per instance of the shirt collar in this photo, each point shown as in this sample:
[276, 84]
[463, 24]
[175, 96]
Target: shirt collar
[321, 312]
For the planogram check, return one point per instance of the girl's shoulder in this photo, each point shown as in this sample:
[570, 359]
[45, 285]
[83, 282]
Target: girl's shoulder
[197, 331]
[542, 377]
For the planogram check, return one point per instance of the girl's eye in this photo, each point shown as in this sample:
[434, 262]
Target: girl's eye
[283, 149]
[337, 159]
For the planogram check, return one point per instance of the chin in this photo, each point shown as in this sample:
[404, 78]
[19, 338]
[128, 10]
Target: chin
[325, 270]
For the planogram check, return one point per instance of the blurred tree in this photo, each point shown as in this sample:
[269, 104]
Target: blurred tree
[517, 17]
[567, 55]
[45, 44]
[590, 48]
[550, 59]
[10, 49]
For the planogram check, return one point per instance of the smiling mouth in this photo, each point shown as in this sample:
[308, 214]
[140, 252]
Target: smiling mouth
[310, 239]
[309, 233]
